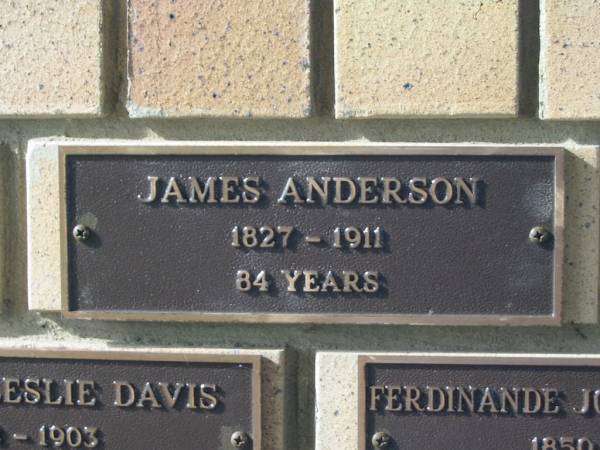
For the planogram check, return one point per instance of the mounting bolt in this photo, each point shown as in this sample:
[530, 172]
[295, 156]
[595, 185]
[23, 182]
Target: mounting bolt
[539, 235]
[239, 439]
[81, 232]
[381, 439]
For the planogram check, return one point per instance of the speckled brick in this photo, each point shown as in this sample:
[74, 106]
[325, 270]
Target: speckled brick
[426, 58]
[581, 259]
[570, 59]
[51, 58]
[231, 58]
[336, 391]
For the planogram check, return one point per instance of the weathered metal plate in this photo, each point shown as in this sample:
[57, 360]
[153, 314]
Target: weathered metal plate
[128, 400]
[549, 410]
[170, 254]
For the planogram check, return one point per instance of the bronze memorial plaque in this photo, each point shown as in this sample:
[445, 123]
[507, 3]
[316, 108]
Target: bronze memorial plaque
[353, 233]
[129, 400]
[474, 403]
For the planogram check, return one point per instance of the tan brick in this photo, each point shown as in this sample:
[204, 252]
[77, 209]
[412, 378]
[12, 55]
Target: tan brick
[570, 59]
[426, 58]
[219, 58]
[51, 57]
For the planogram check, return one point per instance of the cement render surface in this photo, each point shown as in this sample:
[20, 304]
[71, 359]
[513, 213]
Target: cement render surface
[20, 327]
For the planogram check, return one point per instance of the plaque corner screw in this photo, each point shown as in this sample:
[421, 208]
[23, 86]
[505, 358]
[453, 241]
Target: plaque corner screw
[539, 235]
[239, 439]
[381, 439]
[81, 232]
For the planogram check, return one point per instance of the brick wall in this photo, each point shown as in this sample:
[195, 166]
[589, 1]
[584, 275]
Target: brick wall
[270, 59]
[439, 71]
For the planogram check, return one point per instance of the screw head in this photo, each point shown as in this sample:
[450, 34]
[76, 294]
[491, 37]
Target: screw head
[381, 439]
[539, 235]
[239, 439]
[81, 232]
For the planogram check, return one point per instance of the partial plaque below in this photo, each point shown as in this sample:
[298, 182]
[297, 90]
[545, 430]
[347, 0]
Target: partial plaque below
[266, 232]
[129, 400]
[473, 403]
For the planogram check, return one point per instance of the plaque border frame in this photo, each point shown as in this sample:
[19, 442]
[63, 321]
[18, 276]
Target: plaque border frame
[174, 148]
[142, 355]
[465, 359]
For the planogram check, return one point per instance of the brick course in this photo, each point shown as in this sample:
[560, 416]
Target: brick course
[570, 59]
[426, 58]
[51, 58]
[220, 58]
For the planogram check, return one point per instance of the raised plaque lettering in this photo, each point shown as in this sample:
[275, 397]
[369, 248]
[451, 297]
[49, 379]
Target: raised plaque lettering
[311, 233]
[470, 402]
[128, 400]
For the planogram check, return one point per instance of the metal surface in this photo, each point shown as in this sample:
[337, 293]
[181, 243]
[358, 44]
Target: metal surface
[81, 232]
[239, 439]
[381, 440]
[174, 258]
[553, 417]
[81, 399]
[540, 235]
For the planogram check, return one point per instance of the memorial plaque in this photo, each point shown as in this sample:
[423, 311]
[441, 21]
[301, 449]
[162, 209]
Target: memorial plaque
[129, 400]
[312, 233]
[473, 403]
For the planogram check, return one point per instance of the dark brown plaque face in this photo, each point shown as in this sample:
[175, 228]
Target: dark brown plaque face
[128, 401]
[379, 234]
[474, 403]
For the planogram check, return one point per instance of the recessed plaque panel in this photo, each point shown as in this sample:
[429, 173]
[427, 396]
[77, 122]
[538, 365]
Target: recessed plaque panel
[314, 233]
[471, 403]
[128, 400]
